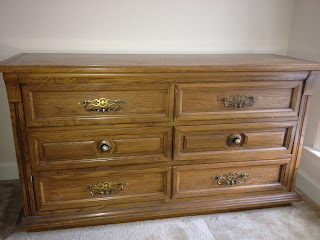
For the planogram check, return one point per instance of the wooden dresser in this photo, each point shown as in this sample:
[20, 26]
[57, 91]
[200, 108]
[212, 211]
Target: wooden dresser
[115, 138]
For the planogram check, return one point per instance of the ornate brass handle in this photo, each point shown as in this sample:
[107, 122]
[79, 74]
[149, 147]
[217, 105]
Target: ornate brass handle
[105, 187]
[102, 105]
[231, 178]
[238, 100]
[104, 146]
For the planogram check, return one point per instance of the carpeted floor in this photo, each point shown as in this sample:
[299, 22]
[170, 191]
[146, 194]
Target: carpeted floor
[10, 206]
[299, 221]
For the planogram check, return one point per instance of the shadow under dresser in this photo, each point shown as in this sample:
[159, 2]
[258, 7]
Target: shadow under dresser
[104, 138]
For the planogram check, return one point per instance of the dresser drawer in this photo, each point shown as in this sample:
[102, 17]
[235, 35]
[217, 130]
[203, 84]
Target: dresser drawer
[228, 179]
[78, 189]
[60, 105]
[225, 141]
[237, 100]
[82, 148]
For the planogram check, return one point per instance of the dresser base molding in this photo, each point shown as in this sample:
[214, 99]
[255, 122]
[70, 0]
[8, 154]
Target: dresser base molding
[151, 212]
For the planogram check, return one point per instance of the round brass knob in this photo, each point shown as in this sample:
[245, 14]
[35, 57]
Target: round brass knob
[235, 139]
[104, 146]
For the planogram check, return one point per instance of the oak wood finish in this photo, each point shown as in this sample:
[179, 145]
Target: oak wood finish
[167, 141]
[52, 150]
[212, 141]
[157, 211]
[108, 63]
[66, 191]
[52, 77]
[194, 101]
[57, 105]
[195, 181]
[19, 136]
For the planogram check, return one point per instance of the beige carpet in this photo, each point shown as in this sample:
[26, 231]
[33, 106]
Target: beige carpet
[299, 221]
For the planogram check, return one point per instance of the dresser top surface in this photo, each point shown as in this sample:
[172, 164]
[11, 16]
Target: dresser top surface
[154, 62]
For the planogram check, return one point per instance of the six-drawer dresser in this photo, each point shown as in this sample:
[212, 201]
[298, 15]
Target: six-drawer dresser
[115, 138]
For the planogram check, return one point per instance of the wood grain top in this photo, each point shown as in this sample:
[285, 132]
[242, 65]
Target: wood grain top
[58, 62]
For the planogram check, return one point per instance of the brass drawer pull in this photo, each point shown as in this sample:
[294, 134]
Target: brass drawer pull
[235, 139]
[102, 105]
[238, 100]
[105, 187]
[104, 146]
[231, 178]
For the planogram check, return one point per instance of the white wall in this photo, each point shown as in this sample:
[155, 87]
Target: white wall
[305, 43]
[140, 26]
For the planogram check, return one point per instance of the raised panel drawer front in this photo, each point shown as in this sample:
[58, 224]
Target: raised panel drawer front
[75, 104]
[237, 100]
[235, 141]
[56, 190]
[81, 148]
[228, 179]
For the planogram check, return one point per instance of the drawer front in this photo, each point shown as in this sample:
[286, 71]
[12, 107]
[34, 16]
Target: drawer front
[60, 105]
[237, 100]
[80, 148]
[234, 178]
[55, 190]
[219, 141]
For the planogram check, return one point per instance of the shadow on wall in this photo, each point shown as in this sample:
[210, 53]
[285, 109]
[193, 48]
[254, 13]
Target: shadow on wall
[8, 166]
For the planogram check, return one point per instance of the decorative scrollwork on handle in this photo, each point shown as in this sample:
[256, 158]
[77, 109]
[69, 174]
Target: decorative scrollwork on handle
[102, 105]
[238, 100]
[231, 178]
[106, 187]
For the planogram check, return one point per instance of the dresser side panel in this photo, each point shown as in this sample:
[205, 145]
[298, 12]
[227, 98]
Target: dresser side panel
[305, 105]
[19, 134]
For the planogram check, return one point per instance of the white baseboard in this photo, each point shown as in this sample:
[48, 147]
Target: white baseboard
[8, 170]
[308, 175]
[308, 186]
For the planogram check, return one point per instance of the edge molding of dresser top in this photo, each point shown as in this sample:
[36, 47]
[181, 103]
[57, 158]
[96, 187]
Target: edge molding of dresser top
[110, 138]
